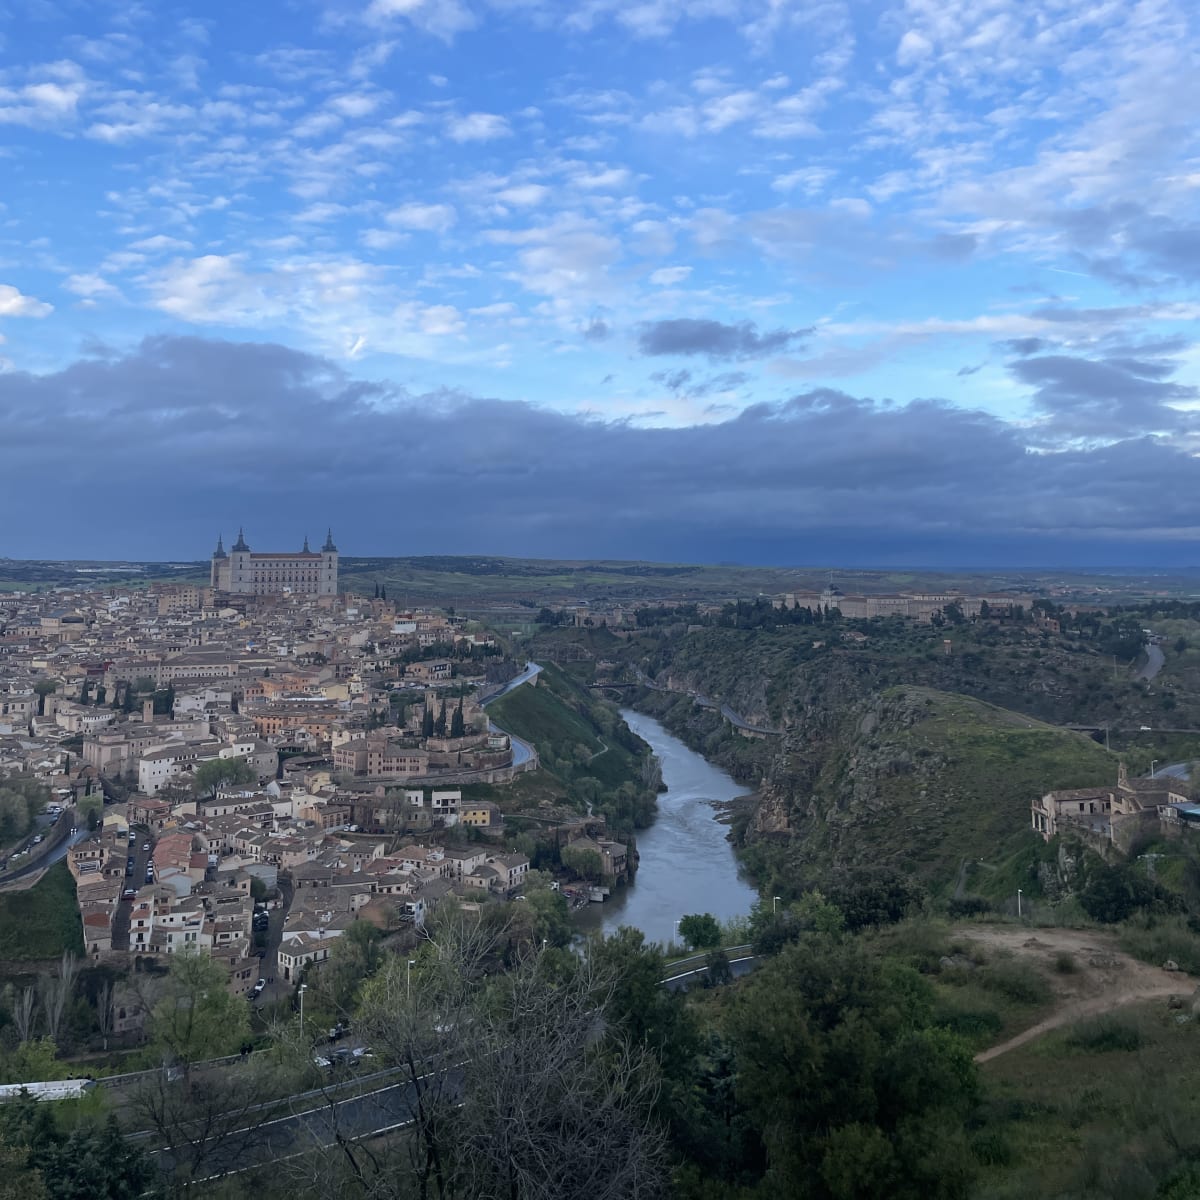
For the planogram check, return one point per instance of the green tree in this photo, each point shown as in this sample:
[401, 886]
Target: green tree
[457, 725]
[209, 777]
[855, 1091]
[584, 864]
[439, 726]
[700, 930]
[427, 722]
[197, 1016]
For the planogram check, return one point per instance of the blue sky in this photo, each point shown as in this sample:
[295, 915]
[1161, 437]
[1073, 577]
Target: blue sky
[698, 235]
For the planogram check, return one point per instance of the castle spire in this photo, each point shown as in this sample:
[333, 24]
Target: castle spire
[240, 544]
[329, 547]
[306, 550]
[220, 550]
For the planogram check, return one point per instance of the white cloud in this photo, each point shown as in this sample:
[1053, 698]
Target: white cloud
[523, 195]
[441, 18]
[477, 127]
[913, 47]
[669, 276]
[429, 218]
[14, 304]
[356, 104]
[90, 286]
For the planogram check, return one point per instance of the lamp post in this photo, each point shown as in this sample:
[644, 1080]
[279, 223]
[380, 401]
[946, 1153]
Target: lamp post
[302, 990]
[774, 905]
[1018, 902]
[1153, 764]
[409, 977]
[676, 932]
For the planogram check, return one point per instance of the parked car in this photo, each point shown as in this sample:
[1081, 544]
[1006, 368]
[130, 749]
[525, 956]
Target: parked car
[145, 845]
[129, 894]
[39, 839]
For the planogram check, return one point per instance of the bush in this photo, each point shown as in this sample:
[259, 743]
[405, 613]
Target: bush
[973, 1024]
[1154, 940]
[1015, 981]
[1105, 1033]
[968, 906]
[1064, 963]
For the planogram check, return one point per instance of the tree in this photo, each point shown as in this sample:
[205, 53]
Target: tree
[700, 930]
[584, 864]
[1181, 645]
[557, 1100]
[427, 722]
[857, 1093]
[439, 726]
[209, 777]
[457, 727]
[56, 991]
[197, 1016]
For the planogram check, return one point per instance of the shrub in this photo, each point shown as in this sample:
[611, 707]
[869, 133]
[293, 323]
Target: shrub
[1064, 963]
[968, 906]
[973, 1024]
[1015, 981]
[1102, 1034]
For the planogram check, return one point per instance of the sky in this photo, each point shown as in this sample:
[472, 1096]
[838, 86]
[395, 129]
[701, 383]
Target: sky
[773, 281]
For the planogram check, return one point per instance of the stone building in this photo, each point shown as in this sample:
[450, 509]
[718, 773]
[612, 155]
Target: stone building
[247, 573]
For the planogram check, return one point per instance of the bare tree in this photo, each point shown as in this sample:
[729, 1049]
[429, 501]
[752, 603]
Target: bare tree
[56, 991]
[510, 1084]
[105, 1009]
[23, 1012]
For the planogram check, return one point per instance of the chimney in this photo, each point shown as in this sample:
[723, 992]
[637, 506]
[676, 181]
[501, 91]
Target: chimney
[148, 711]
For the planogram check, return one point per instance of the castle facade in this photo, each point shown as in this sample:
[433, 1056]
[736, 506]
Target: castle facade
[243, 572]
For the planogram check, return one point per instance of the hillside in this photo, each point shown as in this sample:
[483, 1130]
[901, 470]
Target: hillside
[921, 780]
[584, 744]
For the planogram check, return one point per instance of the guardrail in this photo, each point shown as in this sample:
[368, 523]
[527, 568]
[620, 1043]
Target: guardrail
[685, 966]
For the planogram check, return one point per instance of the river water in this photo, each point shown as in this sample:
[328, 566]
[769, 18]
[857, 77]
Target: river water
[686, 865]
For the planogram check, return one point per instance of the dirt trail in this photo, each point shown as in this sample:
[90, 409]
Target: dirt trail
[1106, 977]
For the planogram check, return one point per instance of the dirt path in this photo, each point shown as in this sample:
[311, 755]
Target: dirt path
[1106, 977]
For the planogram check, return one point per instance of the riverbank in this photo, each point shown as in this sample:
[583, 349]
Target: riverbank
[686, 863]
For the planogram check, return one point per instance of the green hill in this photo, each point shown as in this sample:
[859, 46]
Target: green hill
[583, 741]
[923, 780]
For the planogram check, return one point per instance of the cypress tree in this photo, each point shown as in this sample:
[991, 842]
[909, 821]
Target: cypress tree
[439, 726]
[457, 725]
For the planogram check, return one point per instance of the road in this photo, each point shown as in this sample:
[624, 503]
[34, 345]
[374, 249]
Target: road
[1154, 662]
[133, 879]
[381, 1110]
[531, 671]
[69, 817]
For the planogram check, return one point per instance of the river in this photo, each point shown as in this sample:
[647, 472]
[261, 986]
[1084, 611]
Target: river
[686, 864]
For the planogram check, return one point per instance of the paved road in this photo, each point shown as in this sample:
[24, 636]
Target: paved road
[531, 670]
[387, 1107]
[69, 817]
[1154, 662]
[1179, 770]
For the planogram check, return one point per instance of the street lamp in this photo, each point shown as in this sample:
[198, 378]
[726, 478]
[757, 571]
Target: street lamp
[1153, 764]
[411, 961]
[676, 931]
[774, 905]
[303, 988]
[1018, 902]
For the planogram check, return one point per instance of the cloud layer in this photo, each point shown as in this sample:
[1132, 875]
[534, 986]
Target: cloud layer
[185, 437]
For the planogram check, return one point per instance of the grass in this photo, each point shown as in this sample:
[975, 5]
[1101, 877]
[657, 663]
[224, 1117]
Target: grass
[1157, 939]
[1105, 1109]
[43, 921]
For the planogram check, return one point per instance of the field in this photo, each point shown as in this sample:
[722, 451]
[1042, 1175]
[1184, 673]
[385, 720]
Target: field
[43, 921]
[474, 582]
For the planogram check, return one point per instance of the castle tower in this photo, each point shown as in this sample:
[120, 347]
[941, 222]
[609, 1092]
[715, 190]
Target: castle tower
[220, 565]
[329, 567]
